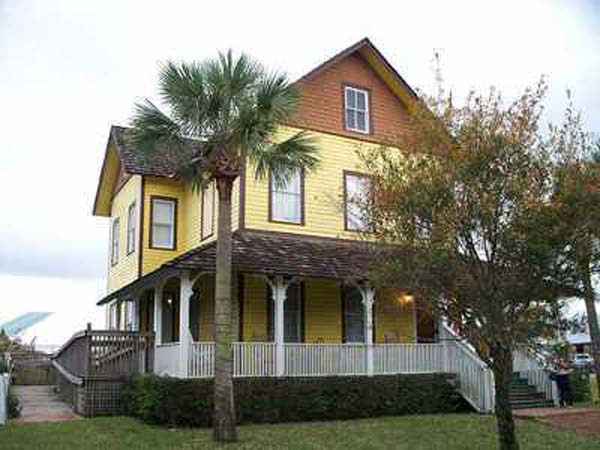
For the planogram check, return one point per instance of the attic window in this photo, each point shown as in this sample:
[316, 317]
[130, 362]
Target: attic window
[356, 109]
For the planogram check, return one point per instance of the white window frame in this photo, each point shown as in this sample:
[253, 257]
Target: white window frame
[114, 242]
[172, 223]
[350, 202]
[275, 191]
[353, 109]
[207, 230]
[131, 227]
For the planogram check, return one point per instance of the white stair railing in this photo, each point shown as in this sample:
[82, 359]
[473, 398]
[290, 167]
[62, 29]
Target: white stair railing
[532, 369]
[475, 378]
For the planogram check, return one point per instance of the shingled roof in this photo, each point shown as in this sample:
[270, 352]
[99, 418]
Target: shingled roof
[286, 254]
[274, 253]
[134, 161]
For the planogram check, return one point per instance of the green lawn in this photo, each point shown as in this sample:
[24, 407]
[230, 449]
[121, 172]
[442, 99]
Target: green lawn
[447, 432]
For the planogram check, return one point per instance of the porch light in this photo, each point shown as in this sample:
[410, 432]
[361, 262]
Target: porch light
[169, 301]
[406, 299]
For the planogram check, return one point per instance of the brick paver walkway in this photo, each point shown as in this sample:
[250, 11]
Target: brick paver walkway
[41, 404]
[582, 420]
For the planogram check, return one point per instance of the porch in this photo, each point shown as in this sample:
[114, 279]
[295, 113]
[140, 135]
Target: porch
[303, 307]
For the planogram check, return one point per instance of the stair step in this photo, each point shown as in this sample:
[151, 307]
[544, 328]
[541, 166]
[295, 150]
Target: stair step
[527, 396]
[522, 404]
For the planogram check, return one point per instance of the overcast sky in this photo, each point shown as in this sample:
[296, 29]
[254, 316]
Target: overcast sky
[70, 69]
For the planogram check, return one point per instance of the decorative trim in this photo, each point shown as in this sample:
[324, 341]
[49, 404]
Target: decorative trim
[175, 221]
[369, 92]
[302, 202]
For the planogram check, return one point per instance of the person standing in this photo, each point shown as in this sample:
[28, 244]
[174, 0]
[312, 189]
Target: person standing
[563, 383]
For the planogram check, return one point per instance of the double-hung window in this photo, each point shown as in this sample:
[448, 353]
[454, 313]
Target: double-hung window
[356, 194]
[356, 109]
[131, 223]
[286, 198]
[208, 211]
[114, 244]
[164, 212]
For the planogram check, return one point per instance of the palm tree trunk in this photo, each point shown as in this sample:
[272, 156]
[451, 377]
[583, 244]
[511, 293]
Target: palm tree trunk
[224, 426]
[590, 306]
[502, 368]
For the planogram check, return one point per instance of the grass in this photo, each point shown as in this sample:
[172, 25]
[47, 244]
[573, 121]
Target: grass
[448, 432]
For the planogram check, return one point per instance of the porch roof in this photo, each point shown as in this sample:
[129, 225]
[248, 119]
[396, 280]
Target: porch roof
[274, 253]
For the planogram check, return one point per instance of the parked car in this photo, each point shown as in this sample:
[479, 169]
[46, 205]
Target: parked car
[582, 360]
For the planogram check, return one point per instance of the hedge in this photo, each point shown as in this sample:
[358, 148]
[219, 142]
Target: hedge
[178, 402]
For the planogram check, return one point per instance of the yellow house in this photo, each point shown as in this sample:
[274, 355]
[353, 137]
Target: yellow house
[301, 267]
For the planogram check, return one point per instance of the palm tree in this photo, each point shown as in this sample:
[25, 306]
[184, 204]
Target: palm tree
[219, 114]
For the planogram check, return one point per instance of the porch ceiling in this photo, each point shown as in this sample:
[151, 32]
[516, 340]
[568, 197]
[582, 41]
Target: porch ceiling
[274, 253]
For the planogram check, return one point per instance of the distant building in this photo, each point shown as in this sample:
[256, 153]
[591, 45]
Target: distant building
[579, 343]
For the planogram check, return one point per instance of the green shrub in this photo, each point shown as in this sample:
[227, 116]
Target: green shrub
[580, 383]
[176, 402]
[13, 408]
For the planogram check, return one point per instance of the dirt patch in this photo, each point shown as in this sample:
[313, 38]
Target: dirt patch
[581, 420]
[584, 423]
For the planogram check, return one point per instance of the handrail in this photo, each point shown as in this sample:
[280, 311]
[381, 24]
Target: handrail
[65, 373]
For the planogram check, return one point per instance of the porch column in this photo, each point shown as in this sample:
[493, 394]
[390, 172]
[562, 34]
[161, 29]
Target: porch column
[279, 292]
[368, 300]
[185, 338]
[158, 290]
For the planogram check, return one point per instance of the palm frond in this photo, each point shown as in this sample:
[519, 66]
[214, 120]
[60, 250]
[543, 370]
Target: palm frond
[153, 129]
[297, 152]
[182, 88]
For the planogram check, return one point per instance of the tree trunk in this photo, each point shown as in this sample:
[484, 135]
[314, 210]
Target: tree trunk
[590, 306]
[224, 427]
[502, 367]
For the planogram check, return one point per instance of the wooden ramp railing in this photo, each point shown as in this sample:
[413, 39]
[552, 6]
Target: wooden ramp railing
[91, 367]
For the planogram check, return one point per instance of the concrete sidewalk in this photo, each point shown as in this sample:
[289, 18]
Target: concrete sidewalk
[41, 404]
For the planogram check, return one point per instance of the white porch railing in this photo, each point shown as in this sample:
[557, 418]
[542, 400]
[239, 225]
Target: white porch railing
[253, 359]
[408, 358]
[308, 360]
[166, 359]
[257, 359]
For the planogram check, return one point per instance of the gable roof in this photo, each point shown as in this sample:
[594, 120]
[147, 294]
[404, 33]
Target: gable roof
[378, 63]
[120, 155]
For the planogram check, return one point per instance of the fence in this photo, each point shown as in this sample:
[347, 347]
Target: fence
[92, 366]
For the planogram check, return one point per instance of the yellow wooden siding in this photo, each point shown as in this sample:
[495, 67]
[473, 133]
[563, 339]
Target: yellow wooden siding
[126, 269]
[394, 321]
[323, 311]
[255, 309]
[111, 168]
[324, 194]
[188, 219]
[153, 258]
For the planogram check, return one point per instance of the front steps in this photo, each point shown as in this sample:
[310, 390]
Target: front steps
[525, 396]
